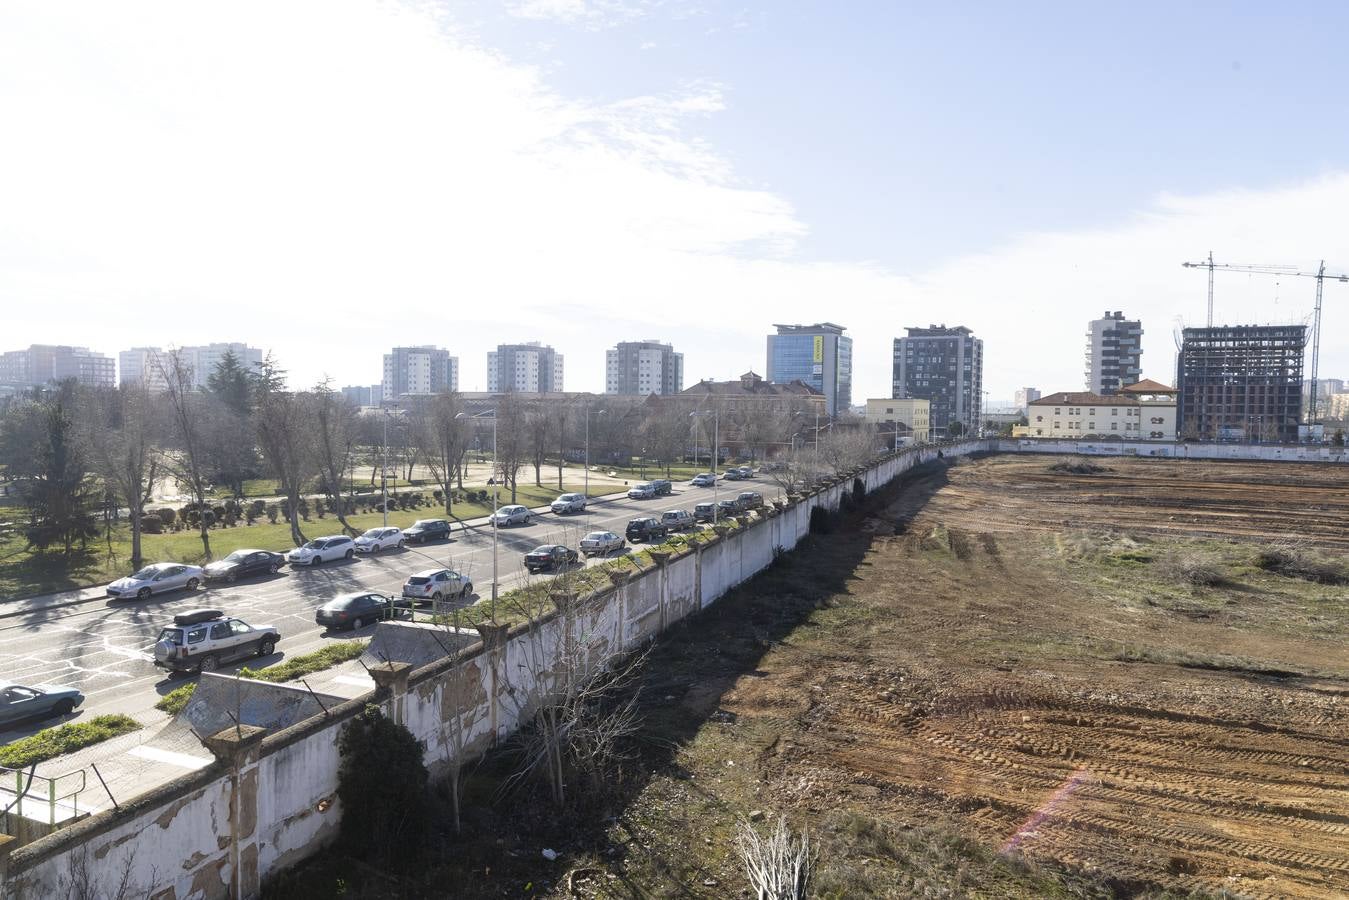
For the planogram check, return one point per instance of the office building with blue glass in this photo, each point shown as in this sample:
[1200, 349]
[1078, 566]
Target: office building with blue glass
[818, 355]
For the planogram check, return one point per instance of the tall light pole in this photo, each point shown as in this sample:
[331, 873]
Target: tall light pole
[598, 412]
[491, 481]
[716, 440]
[384, 471]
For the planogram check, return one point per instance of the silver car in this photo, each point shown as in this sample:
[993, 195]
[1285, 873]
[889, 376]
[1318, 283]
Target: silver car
[431, 585]
[601, 543]
[704, 479]
[321, 550]
[200, 640]
[569, 503]
[377, 539]
[642, 490]
[156, 579]
[512, 515]
[676, 519]
[20, 701]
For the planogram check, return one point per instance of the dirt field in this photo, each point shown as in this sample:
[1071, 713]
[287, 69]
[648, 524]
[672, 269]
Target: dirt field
[1029, 665]
[997, 681]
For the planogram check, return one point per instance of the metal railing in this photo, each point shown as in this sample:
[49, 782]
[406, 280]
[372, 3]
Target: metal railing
[39, 798]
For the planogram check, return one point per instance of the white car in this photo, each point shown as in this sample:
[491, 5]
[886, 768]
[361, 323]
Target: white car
[676, 519]
[601, 543]
[321, 550]
[705, 479]
[569, 503]
[156, 579]
[512, 515]
[377, 539]
[430, 585]
[642, 490]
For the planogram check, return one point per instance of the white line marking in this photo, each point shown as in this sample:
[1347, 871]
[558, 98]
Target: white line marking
[355, 680]
[182, 760]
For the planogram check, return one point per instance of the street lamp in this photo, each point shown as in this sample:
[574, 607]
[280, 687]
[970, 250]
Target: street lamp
[598, 412]
[384, 470]
[492, 414]
[716, 440]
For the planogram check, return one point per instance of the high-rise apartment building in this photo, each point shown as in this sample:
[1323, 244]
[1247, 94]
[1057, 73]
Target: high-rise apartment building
[364, 394]
[1025, 397]
[818, 355]
[149, 365]
[418, 371]
[946, 366]
[643, 368]
[45, 363]
[1240, 382]
[525, 368]
[1114, 353]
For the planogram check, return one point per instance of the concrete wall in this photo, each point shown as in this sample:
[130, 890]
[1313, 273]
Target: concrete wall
[270, 799]
[1169, 450]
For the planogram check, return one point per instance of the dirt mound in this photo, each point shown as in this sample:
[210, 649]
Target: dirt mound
[1079, 467]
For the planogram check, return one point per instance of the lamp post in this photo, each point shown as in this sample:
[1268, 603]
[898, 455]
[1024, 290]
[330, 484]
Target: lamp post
[716, 440]
[586, 489]
[384, 470]
[491, 481]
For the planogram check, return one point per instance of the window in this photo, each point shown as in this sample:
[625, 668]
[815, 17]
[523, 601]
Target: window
[220, 631]
[1114, 410]
[1114, 426]
[196, 635]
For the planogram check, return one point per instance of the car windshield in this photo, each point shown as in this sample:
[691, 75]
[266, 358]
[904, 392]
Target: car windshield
[542, 550]
[171, 636]
[147, 572]
[339, 603]
[236, 556]
[374, 533]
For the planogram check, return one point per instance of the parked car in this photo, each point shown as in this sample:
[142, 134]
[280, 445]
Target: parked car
[642, 490]
[601, 543]
[437, 584]
[21, 701]
[357, 610]
[512, 515]
[645, 529]
[569, 503]
[704, 479]
[200, 640]
[704, 512]
[663, 487]
[732, 474]
[242, 563]
[726, 508]
[549, 556]
[746, 471]
[676, 519]
[424, 530]
[750, 500]
[156, 578]
[321, 550]
[377, 539]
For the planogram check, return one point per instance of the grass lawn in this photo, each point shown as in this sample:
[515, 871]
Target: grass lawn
[295, 667]
[26, 574]
[53, 742]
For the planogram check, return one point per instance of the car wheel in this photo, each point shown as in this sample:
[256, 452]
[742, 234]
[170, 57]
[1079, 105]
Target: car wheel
[274, 568]
[315, 561]
[143, 594]
[208, 663]
[467, 591]
[266, 646]
[65, 707]
[192, 584]
[401, 545]
[436, 597]
[356, 623]
[349, 554]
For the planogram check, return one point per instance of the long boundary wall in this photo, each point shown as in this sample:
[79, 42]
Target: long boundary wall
[270, 799]
[1175, 450]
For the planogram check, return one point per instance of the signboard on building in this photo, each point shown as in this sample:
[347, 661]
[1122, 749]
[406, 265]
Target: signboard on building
[819, 348]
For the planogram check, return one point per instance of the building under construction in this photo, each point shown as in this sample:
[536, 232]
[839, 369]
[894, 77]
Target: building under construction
[1240, 382]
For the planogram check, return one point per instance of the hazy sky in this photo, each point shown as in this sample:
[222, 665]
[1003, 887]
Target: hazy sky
[327, 179]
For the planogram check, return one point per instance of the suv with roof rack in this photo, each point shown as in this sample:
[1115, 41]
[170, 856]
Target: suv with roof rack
[201, 639]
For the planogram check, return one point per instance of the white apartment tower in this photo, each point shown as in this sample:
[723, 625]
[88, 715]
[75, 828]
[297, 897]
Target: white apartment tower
[1114, 353]
[642, 368]
[147, 365]
[530, 368]
[413, 371]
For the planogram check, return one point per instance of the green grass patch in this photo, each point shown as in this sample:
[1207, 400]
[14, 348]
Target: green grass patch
[174, 701]
[307, 663]
[53, 742]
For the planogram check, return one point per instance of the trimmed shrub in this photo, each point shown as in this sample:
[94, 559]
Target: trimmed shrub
[151, 524]
[167, 515]
[394, 813]
[53, 742]
[272, 513]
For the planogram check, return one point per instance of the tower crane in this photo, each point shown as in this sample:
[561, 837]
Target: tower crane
[1292, 271]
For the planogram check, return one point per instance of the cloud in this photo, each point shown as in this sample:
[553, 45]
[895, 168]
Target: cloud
[591, 13]
[329, 179]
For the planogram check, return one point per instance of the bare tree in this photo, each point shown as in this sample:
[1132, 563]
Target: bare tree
[282, 423]
[187, 413]
[512, 440]
[122, 438]
[846, 449]
[442, 437]
[334, 420]
[561, 415]
[539, 433]
[779, 866]
[664, 432]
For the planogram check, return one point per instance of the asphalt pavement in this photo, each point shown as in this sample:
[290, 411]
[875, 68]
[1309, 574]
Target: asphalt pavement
[104, 647]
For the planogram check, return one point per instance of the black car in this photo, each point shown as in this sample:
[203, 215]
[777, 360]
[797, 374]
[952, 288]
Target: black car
[645, 529]
[729, 508]
[424, 530]
[358, 610]
[663, 487]
[243, 563]
[549, 556]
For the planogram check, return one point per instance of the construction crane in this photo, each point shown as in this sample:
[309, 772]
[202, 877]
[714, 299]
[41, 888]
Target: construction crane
[1320, 275]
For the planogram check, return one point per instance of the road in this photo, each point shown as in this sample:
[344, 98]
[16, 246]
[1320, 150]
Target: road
[105, 647]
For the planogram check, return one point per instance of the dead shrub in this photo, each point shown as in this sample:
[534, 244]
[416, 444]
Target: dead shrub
[1078, 467]
[1189, 567]
[1294, 561]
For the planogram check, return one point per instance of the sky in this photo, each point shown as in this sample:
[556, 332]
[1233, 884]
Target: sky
[326, 179]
